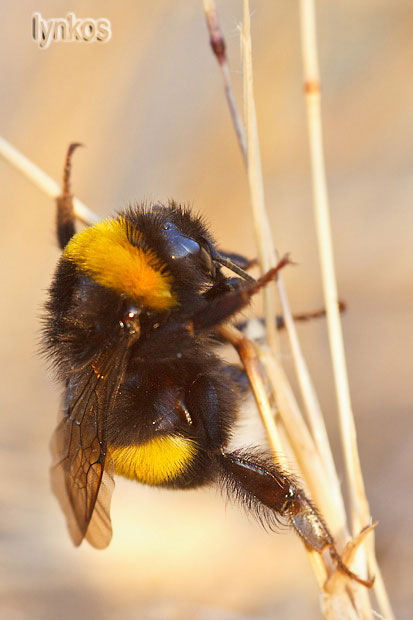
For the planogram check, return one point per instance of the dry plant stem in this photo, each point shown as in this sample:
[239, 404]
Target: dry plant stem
[379, 585]
[360, 511]
[248, 149]
[219, 48]
[336, 506]
[343, 605]
[42, 180]
[266, 253]
[307, 456]
[250, 355]
[262, 226]
[250, 361]
[270, 257]
[318, 567]
[359, 506]
[349, 553]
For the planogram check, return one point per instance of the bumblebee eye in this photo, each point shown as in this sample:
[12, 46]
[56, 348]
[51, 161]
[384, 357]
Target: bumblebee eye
[179, 245]
[207, 257]
[206, 261]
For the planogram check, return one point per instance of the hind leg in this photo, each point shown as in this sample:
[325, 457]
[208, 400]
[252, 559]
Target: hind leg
[65, 216]
[262, 485]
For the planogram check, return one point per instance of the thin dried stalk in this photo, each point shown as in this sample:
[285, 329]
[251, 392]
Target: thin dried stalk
[333, 606]
[248, 354]
[263, 235]
[360, 511]
[308, 393]
[336, 601]
[267, 253]
[250, 151]
[264, 239]
[218, 45]
[341, 598]
[305, 452]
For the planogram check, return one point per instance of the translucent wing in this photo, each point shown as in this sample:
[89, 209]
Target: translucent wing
[82, 468]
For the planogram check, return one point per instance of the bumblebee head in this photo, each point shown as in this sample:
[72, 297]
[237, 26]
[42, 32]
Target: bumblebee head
[154, 256]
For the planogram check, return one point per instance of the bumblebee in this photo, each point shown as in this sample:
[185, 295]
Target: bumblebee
[129, 325]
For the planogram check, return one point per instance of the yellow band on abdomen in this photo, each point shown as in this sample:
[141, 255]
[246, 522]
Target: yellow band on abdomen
[155, 461]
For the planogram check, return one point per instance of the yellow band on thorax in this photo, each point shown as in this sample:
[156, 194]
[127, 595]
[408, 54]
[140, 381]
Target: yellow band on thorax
[105, 253]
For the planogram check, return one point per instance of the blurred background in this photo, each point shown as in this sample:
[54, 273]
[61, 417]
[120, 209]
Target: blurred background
[149, 106]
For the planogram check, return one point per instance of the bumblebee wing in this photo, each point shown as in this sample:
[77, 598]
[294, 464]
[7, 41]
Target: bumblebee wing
[82, 472]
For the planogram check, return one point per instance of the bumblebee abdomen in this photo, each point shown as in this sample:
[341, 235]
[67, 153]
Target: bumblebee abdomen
[157, 461]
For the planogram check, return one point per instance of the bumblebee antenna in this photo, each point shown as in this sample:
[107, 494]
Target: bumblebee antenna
[227, 262]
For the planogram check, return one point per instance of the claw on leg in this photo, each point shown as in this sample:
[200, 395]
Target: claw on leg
[347, 557]
[309, 524]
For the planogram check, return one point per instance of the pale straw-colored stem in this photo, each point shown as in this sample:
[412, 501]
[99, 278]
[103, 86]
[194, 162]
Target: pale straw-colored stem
[360, 511]
[266, 250]
[319, 474]
[42, 180]
[250, 153]
[263, 232]
[306, 454]
[250, 360]
[297, 434]
[336, 601]
[218, 45]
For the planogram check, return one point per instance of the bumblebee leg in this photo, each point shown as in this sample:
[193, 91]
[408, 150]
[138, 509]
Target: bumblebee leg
[223, 287]
[301, 317]
[263, 485]
[237, 375]
[223, 307]
[245, 264]
[181, 334]
[65, 221]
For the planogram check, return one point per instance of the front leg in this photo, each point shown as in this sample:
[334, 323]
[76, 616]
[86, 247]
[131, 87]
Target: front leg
[223, 307]
[224, 286]
[181, 333]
